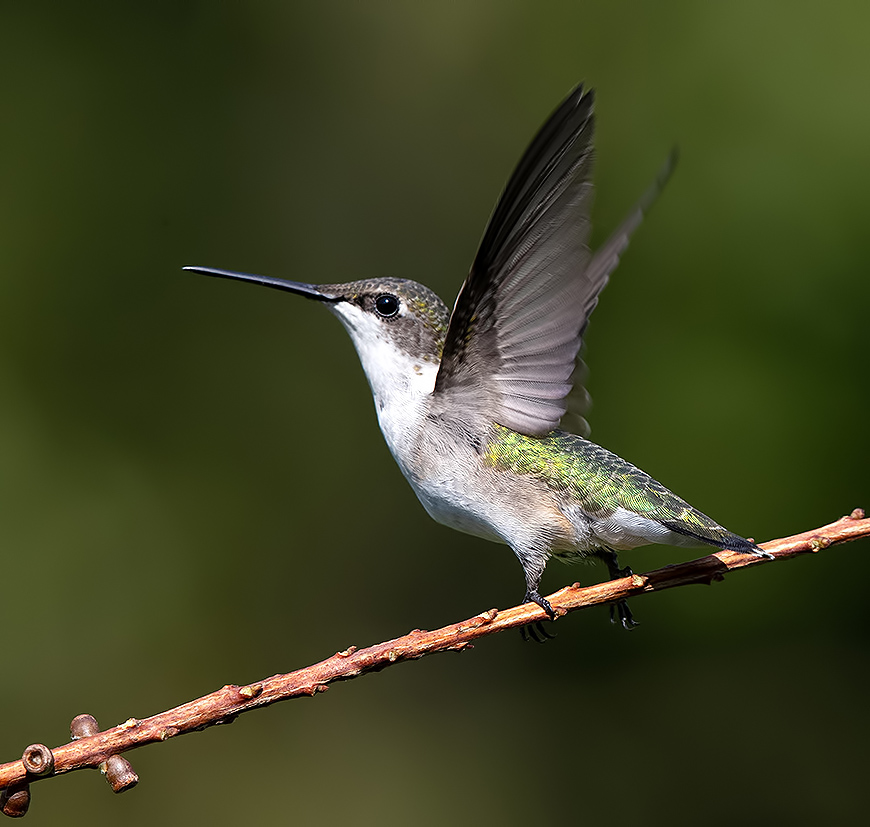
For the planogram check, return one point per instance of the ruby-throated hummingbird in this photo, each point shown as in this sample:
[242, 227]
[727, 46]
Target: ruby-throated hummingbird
[470, 402]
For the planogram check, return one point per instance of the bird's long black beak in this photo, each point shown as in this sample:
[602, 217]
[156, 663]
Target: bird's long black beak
[310, 291]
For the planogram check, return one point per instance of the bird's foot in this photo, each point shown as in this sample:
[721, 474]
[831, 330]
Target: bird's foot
[609, 558]
[534, 597]
[620, 609]
[617, 573]
[536, 631]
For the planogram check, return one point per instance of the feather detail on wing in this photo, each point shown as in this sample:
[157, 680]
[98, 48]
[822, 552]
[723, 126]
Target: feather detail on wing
[604, 262]
[517, 324]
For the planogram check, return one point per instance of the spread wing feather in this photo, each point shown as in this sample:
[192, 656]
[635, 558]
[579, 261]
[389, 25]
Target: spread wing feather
[517, 324]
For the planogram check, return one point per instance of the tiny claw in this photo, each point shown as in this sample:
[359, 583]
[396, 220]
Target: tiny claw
[534, 597]
[626, 618]
[535, 632]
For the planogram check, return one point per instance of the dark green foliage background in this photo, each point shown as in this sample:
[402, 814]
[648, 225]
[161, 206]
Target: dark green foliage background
[193, 490]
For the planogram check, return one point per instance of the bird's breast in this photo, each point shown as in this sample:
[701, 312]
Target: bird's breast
[447, 469]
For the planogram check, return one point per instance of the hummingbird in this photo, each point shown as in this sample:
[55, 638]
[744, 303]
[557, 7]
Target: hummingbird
[470, 401]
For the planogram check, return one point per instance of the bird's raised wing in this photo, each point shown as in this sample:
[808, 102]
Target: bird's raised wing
[515, 329]
[517, 323]
[603, 263]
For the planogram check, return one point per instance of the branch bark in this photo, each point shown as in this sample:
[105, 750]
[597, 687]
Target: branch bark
[93, 749]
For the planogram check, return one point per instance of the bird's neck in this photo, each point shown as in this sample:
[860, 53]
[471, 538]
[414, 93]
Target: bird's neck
[401, 386]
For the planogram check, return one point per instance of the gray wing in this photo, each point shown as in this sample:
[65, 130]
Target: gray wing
[516, 328]
[607, 255]
[603, 263]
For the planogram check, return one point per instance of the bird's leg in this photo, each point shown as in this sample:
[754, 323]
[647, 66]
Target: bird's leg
[532, 596]
[533, 566]
[620, 608]
[536, 631]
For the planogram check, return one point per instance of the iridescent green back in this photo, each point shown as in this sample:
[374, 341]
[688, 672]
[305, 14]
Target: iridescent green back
[601, 482]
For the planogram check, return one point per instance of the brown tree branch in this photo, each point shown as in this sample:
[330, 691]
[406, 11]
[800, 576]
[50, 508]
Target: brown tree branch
[91, 748]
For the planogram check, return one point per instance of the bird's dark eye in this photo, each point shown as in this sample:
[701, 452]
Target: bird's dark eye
[387, 305]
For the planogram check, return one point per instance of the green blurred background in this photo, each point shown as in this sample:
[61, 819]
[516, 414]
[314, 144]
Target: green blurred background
[194, 490]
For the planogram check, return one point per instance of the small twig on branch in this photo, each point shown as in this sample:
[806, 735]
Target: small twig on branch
[91, 748]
